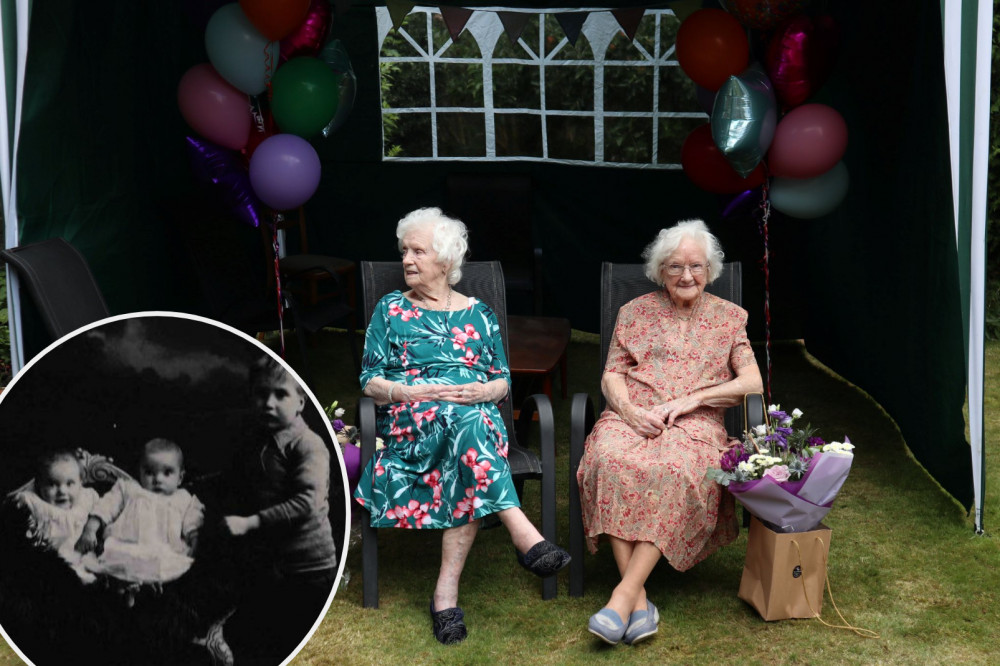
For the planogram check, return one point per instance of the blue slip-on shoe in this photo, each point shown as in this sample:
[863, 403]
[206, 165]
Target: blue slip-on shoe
[642, 624]
[607, 625]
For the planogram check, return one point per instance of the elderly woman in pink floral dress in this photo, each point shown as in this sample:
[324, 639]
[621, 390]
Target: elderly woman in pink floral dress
[678, 358]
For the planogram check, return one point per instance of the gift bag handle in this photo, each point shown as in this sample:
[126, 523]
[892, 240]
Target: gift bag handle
[864, 633]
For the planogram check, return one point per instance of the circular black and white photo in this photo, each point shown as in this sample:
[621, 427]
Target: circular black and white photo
[172, 494]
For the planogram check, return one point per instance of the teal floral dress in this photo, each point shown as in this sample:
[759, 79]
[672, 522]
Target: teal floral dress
[443, 463]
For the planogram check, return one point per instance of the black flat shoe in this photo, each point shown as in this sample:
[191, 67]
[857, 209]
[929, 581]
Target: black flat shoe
[544, 559]
[449, 625]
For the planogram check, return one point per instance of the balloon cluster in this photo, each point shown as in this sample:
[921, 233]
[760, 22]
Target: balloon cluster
[745, 144]
[273, 82]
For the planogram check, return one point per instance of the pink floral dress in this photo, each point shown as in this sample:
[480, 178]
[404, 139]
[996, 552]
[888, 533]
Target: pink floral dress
[655, 490]
[443, 463]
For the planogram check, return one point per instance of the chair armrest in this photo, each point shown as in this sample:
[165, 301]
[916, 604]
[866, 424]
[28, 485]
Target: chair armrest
[539, 403]
[365, 418]
[369, 535]
[754, 410]
[581, 422]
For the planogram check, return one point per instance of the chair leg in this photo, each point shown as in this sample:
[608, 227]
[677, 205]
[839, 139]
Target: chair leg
[581, 422]
[369, 564]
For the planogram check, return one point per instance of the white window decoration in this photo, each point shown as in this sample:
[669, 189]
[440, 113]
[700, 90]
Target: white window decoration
[605, 100]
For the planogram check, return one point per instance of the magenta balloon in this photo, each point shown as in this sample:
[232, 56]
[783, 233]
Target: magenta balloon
[799, 57]
[213, 108]
[308, 39]
[808, 141]
[284, 171]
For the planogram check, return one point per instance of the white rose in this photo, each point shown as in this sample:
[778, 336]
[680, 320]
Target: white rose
[760, 430]
[338, 412]
[796, 413]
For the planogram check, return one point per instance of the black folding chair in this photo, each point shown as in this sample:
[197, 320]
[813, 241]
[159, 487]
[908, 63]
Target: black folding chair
[620, 283]
[484, 280]
[60, 284]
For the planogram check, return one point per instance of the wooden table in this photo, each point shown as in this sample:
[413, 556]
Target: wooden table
[538, 347]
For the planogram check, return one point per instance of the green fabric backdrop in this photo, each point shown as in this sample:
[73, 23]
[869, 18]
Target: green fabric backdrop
[873, 287]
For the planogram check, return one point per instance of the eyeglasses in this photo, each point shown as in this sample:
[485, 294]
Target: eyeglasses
[673, 270]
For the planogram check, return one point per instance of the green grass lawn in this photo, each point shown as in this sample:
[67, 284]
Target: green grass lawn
[904, 562]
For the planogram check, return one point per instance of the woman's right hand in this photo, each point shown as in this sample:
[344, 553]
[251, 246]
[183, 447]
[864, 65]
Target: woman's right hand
[645, 422]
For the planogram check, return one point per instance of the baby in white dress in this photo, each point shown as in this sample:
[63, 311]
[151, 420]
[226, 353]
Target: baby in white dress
[150, 527]
[59, 505]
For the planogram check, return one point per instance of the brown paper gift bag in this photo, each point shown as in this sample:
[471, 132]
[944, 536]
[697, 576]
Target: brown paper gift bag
[775, 570]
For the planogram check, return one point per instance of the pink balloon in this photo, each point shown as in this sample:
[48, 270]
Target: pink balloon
[309, 37]
[808, 141]
[799, 57]
[213, 108]
[284, 171]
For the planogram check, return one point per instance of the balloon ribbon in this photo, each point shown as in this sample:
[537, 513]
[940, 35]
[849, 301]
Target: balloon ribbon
[765, 207]
[277, 284]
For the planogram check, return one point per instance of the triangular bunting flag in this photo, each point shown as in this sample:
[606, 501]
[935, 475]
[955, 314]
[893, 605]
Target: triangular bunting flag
[572, 24]
[455, 19]
[629, 20]
[513, 24]
[684, 8]
[398, 9]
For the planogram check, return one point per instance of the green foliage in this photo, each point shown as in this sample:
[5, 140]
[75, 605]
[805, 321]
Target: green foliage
[567, 87]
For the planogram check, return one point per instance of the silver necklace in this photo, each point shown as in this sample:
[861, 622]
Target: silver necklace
[447, 305]
[677, 312]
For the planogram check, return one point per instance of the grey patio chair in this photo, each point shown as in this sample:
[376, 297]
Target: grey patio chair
[484, 280]
[620, 283]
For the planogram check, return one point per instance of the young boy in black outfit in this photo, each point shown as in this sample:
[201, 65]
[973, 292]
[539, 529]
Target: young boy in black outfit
[285, 484]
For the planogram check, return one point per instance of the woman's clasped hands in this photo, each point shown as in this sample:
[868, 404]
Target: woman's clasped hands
[651, 422]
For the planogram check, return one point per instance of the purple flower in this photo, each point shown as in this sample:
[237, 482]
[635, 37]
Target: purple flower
[338, 425]
[816, 441]
[778, 415]
[733, 457]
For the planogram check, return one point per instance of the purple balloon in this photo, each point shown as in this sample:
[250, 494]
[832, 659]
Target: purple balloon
[223, 170]
[743, 203]
[284, 171]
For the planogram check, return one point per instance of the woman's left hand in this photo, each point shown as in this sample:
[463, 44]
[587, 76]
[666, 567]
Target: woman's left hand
[467, 394]
[670, 411]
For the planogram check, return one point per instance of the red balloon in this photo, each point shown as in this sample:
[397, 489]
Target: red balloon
[708, 168]
[711, 47]
[275, 18]
[262, 126]
[759, 14]
[310, 36]
[808, 141]
[799, 57]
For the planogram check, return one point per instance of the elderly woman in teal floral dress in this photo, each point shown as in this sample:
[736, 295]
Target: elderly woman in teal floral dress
[435, 365]
[678, 358]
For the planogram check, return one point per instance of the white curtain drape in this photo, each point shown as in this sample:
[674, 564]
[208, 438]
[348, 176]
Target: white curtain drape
[14, 19]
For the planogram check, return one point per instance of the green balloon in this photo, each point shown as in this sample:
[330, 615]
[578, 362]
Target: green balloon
[305, 93]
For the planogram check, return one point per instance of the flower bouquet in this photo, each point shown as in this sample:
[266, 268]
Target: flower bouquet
[347, 437]
[785, 476]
